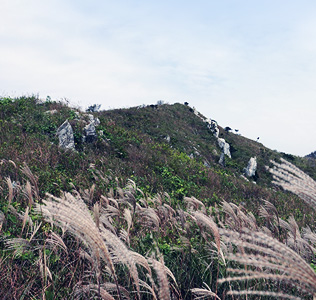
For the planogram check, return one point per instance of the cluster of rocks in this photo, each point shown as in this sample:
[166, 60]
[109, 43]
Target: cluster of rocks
[213, 127]
[251, 168]
[66, 136]
[90, 131]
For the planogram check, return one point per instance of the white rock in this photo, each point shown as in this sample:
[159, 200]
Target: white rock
[66, 136]
[251, 167]
[243, 177]
[224, 146]
[51, 112]
[222, 159]
[90, 132]
[93, 120]
[213, 127]
[195, 111]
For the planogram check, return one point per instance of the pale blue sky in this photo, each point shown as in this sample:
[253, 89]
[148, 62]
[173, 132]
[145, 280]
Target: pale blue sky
[250, 65]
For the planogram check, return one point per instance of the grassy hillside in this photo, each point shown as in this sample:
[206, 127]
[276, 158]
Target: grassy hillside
[172, 159]
[134, 145]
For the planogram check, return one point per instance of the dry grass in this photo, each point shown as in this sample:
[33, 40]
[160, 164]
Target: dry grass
[294, 180]
[72, 214]
[106, 231]
[268, 259]
[102, 240]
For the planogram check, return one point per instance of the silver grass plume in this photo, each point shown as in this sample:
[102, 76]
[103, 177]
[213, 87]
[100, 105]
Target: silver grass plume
[10, 187]
[195, 204]
[148, 217]
[25, 218]
[72, 213]
[106, 290]
[120, 254]
[269, 259]
[232, 219]
[208, 222]
[294, 180]
[55, 241]
[206, 293]
[27, 171]
[161, 271]
[269, 212]
[148, 287]
[27, 191]
[309, 236]
[19, 245]
[294, 239]
[2, 219]
[87, 194]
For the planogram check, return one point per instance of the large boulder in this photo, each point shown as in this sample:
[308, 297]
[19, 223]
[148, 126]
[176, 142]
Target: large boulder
[66, 136]
[251, 167]
[224, 146]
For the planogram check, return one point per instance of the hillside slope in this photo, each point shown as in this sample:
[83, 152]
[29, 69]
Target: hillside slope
[165, 148]
[168, 156]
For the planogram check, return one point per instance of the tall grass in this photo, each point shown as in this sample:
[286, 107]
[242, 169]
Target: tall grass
[127, 245]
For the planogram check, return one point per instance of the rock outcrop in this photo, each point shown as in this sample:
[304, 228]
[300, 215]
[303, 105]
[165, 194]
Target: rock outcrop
[224, 146]
[212, 125]
[90, 131]
[66, 136]
[251, 167]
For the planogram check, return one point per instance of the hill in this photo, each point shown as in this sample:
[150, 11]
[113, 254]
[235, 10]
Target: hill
[167, 151]
[165, 148]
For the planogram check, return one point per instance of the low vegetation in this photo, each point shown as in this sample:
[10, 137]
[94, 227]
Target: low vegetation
[119, 218]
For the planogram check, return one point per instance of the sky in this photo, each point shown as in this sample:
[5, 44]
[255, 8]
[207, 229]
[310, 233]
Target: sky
[249, 65]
